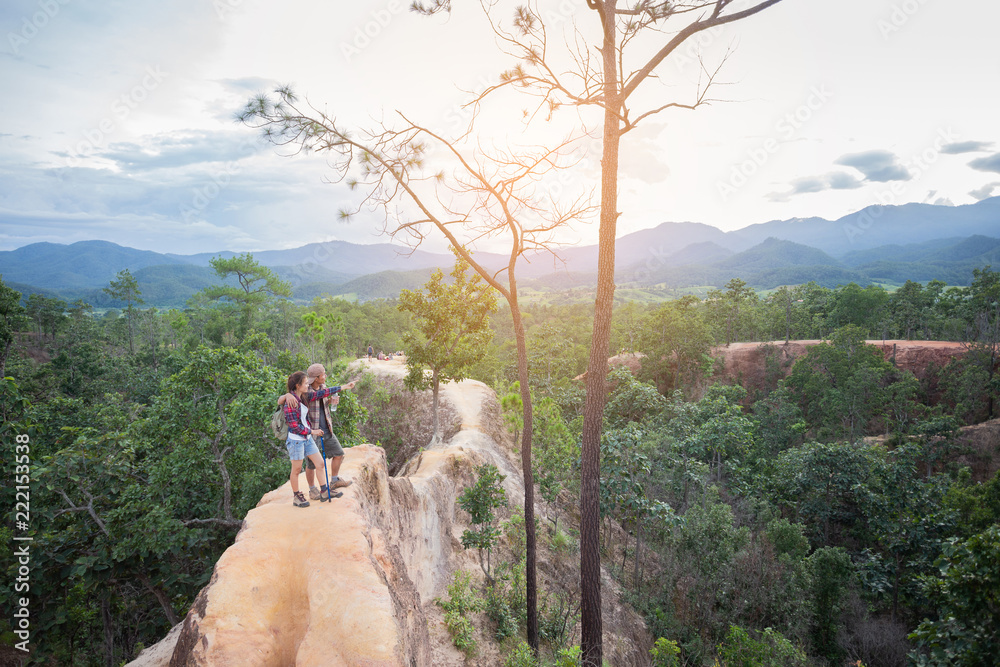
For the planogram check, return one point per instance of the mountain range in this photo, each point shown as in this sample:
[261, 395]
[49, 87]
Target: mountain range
[942, 242]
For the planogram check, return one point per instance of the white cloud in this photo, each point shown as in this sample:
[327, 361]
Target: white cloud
[984, 192]
[877, 165]
[138, 173]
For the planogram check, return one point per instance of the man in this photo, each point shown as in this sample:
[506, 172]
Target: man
[321, 417]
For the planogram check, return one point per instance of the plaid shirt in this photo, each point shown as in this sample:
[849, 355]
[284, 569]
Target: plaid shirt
[292, 415]
[315, 405]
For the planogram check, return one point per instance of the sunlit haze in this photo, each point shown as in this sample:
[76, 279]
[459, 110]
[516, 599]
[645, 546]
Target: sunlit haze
[118, 118]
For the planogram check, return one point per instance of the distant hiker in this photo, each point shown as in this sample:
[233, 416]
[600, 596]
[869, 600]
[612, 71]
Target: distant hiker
[371, 352]
[320, 416]
[300, 443]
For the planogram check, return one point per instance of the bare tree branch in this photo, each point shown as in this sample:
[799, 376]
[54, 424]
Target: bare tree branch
[88, 508]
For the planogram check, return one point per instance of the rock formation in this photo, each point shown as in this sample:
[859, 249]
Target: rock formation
[748, 361]
[758, 366]
[353, 581]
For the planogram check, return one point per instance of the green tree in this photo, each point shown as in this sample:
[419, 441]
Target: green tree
[548, 354]
[864, 307]
[903, 518]
[452, 330]
[676, 341]
[741, 650]
[513, 412]
[824, 485]
[149, 497]
[623, 491]
[125, 288]
[664, 653]
[967, 597]
[843, 384]
[462, 603]
[256, 286]
[480, 500]
[785, 316]
[12, 316]
[976, 505]
[832, 572]
[48, 313]
[733, 310]
[324, 332]
[983, 333]
[631, 400]
[779, 424]
[910, 307]
[556, 450]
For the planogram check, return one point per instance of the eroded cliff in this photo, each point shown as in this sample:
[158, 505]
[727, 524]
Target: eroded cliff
[353, 582]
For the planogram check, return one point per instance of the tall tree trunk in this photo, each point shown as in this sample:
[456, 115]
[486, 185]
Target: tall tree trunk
[597, 368]
[3, 357]
[128, 320]
[638, 548]
[435, 385]
[895, 587]
[161, 597]
[531, 585]
[109, 638]
[788, 319]
[220, 459]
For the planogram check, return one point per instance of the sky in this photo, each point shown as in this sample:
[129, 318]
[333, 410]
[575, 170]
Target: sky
[118, 122]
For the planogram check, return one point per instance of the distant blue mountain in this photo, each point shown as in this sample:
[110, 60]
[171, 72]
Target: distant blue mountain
[82, 264]
[941, 242]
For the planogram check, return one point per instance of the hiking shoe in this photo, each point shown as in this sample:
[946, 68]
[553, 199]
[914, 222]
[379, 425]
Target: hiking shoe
[335, 494]
[341, 483]
[299, 500]
[314, 493]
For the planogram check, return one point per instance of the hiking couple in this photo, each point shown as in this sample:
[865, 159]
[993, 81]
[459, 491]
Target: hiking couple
[307, 413]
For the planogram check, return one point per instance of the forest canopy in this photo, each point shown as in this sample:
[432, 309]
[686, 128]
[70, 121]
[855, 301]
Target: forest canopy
[759, 520]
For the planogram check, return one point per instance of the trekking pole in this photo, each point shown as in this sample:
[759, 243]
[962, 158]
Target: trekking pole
[329, 491]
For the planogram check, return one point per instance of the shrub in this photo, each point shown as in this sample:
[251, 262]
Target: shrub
[557, 617]
[664, 653]
[479, 500]
[521, 656]
[569, 657]
[741, 650]
[967, 595]
[463, 601]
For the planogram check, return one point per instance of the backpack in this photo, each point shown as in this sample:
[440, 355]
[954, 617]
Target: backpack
[278, 425]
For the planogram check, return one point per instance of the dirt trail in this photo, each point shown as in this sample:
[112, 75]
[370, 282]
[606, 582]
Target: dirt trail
[466, 397]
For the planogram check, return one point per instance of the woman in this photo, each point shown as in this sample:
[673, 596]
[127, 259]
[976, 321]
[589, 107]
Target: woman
[300, 443]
